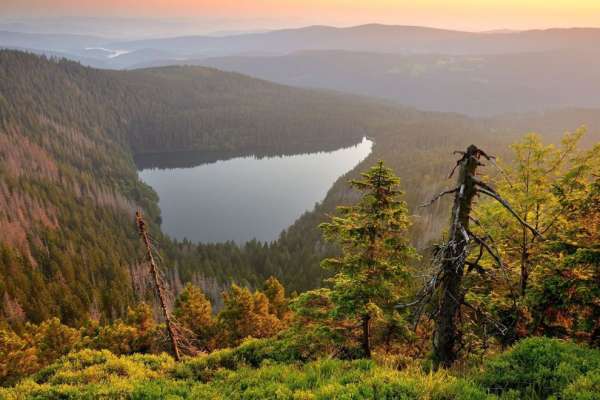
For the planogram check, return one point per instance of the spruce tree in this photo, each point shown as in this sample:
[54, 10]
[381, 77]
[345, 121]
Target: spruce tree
[372, 235]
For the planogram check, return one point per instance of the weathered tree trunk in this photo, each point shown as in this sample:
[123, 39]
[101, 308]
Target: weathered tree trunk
[446, 334]
[524, 260]
[158, 285]
[366, 344]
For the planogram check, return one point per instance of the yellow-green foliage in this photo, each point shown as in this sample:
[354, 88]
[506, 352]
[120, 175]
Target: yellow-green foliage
[37, 346]
[534, 369]
[93, 374]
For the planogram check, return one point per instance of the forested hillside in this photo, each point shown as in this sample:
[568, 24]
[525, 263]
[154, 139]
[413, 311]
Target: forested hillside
[523, 286]
[476, 84]
[419, 147]
[69, 183]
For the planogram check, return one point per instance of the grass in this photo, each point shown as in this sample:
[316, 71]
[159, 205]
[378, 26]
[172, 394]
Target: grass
[534, 369]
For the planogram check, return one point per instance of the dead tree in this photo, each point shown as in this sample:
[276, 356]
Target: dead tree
[160, 291]
[453, 260]
[446, 283]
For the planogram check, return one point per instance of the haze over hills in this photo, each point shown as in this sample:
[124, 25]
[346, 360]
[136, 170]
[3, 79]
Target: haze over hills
[478, 84]
[373, 38]
[376, 38]
[50, 42]
[431, 69]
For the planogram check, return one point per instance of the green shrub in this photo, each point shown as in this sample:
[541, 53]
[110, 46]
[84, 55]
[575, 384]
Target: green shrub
[101, 375]
[91, 367]
[267, 369]
[252, 352]
[538, 368]
[586, 387]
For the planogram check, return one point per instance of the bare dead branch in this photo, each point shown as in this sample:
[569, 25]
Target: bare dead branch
[475, 263]
[439, 196]
[481, 153]
[497, 324]
[510, 209]
[456, 166]
[487, 247]
[475, 266]
[484, 185]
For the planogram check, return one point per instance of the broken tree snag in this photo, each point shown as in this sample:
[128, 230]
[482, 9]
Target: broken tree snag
[444, 291]
[160, 291]
[446, 336]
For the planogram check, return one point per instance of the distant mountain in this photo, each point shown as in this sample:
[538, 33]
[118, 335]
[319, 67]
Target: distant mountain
[52, 42]
[473, 73]
[375, 38]
[471, 84]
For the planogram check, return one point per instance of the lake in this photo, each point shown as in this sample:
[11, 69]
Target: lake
[246, 197]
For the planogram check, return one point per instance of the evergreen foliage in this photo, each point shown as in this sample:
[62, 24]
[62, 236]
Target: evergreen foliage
[68, 183]
[193, 312]
[372, 269]
[543, 286]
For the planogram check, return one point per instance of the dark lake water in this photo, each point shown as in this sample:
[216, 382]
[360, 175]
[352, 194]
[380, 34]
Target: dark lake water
[246, 197]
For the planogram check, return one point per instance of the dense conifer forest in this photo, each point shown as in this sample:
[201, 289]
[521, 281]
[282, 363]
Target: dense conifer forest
[69, 137]
[350, 302]
[69, 134]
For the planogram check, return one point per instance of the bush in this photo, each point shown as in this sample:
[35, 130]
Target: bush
[538, 368]
[535, 368]
[36, 347]
[100, 374]
[252, 353]
[586, 387]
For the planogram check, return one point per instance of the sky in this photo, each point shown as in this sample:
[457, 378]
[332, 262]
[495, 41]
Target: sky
[472, 15]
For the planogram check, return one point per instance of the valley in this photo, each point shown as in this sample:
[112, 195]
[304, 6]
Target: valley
[367, 212]
[136, 114]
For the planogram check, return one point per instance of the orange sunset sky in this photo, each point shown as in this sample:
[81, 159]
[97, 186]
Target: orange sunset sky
[454, 14]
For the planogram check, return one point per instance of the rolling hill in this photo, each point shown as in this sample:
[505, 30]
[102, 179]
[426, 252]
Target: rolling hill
[476, 85]
[374, 38]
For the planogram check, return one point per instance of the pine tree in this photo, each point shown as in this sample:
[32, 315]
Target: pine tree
[275, 292]
[372, 267]
[245, 314]
[194, 312]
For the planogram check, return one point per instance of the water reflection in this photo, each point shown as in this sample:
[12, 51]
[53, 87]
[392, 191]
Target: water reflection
[245, 197]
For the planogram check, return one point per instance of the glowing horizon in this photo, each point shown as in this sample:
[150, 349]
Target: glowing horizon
[457, 14]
